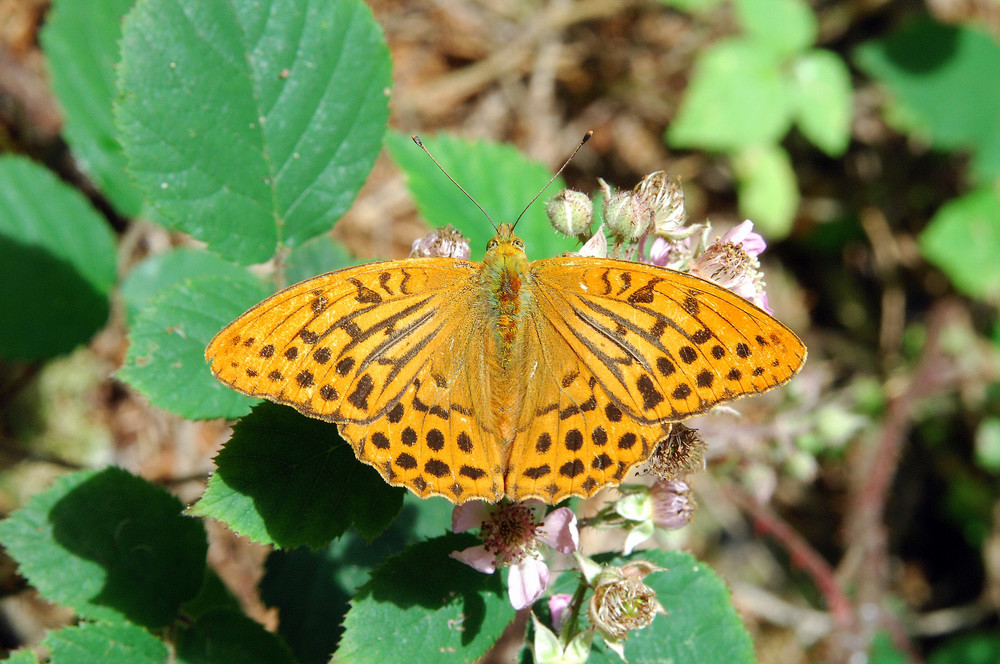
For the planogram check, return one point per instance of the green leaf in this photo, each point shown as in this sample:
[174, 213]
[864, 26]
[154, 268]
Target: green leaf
[963, 240]
[101, 643]
[317, 256]
[988, 444]
[289, 480]
[821, 97]
[784, 26]
[884, 651]
[311, 590]
[228, 637]
[156, 273]
[941, 80]
[986, 158]
[769, 193]
[498, 176]
[166, 355]
[80, 40]
[109, 545]
[737, 98]
[701, 624]
[212, 595]
[252, 126]
[979, 648]
[58, 264]
[22, 656]
[447, 612]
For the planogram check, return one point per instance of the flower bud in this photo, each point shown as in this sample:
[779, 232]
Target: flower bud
[673, 506]
[447, 242]
[570, 213]
[627, 216]
[559, 605]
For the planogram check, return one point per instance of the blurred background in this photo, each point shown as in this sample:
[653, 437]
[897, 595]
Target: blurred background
[855, 510]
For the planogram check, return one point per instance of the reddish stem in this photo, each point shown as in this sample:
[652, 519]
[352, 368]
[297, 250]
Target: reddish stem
[801, 553]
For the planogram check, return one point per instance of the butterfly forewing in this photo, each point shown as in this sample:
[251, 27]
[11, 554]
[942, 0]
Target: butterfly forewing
[333, 346]
[374, 348]
[670, 345]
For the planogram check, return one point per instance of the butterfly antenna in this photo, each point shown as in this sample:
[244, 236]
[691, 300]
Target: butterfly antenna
[416, 139]
[586, 137]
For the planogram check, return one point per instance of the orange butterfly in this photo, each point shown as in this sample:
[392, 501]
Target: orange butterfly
[527, 379]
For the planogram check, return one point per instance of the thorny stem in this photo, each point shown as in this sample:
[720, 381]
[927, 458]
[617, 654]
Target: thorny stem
[568, 630]
[606, 517]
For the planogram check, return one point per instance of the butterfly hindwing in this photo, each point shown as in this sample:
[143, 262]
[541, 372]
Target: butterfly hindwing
[572, 438]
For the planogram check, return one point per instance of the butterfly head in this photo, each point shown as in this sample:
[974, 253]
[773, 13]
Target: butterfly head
[505, 261]
[505, 244]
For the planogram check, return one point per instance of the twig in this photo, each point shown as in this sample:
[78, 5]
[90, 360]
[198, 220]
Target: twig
[809, 624]
[450, 89]
[886, 254]
[865, 562]
[953, 619]
[23, 377]
[801, 553]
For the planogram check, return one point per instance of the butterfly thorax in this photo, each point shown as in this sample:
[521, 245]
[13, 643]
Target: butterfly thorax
[502, 278]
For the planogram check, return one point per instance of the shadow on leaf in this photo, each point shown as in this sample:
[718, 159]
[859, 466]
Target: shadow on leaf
[151, 558]
[49, 307]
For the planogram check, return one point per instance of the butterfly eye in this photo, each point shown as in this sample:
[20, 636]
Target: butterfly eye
[518, 242]
[491, 244]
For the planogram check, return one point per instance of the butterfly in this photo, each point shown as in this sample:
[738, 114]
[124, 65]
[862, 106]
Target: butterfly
[508, 378]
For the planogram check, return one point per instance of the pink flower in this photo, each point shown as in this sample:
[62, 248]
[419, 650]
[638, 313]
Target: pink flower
[731, 262]
[512, 534]
[661, 251]
[558, 606]
[743, 235]
[677, 249]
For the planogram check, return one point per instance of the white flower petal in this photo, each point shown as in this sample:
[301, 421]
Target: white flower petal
[476, 557]
[638, 535]
[469, 516]
[526, 582]
[559, 530]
